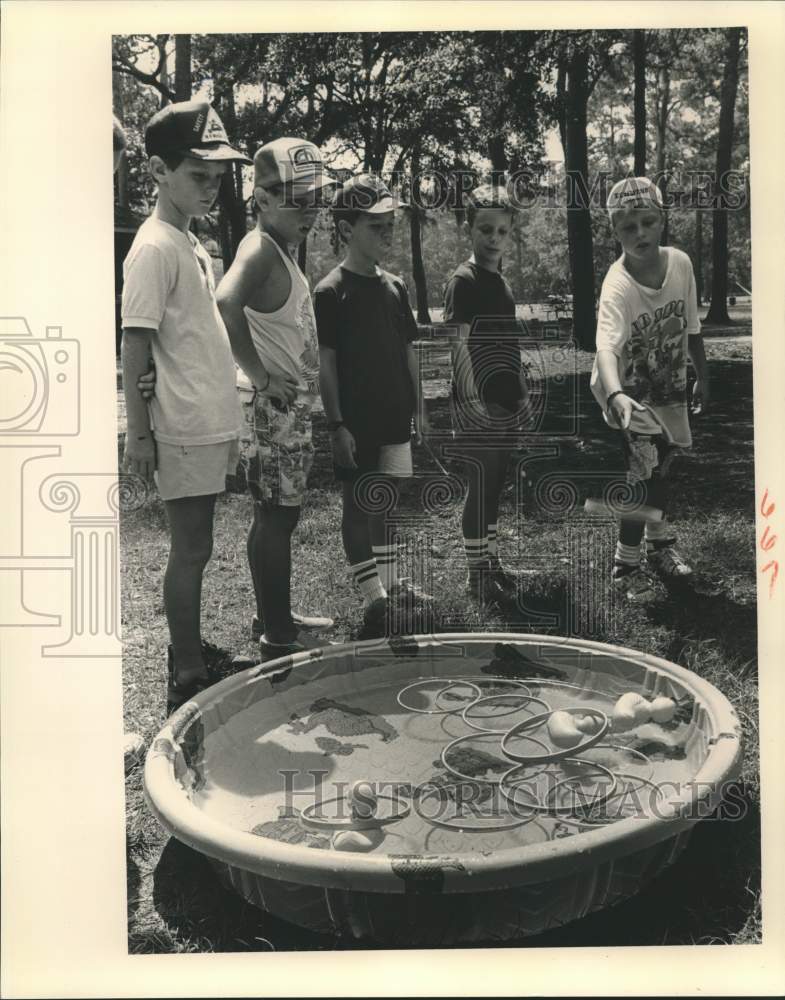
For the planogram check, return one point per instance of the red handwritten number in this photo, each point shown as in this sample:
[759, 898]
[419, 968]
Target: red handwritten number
[767, 542]
[775, 567]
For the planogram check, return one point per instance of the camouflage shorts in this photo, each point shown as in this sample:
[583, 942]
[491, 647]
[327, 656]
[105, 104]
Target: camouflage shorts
[646, 454]
[276, 450]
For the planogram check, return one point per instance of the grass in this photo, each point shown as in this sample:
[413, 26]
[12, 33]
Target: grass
[712, 894]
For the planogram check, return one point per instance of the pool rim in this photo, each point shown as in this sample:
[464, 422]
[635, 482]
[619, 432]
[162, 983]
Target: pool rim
[460, 872]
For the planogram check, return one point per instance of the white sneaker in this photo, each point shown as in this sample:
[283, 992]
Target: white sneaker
[637, 585]
[668, 564]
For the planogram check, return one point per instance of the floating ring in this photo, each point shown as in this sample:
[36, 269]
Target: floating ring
[464, 739]
[543, 807]
[539, 720]
[448, 682]
[460, 826]
[628, 750]
[352, 822]
[587, 820]
[496, 697]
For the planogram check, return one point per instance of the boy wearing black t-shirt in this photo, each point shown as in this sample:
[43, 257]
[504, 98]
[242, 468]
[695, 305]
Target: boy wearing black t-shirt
[370, 390]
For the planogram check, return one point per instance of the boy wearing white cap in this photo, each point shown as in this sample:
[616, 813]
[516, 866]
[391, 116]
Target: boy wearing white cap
[189, 440]
[265, 301]
[646, 327]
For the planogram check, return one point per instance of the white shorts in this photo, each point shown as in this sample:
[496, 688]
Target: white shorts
[194, 470]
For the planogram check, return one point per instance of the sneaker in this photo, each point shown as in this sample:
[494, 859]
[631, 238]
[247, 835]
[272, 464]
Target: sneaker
[635, 584]
[668, 564]
[406, 592]
[300, 644]
[178, 692]
[221, 662]
[375, 619]
[306, 622]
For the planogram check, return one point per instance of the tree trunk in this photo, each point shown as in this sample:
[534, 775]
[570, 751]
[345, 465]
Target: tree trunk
[160, 42]
[718, 309]
[302, 255]
[664, 96]
[415, 232]
[699, 254]
[639, 60]
[182, 67]
[498, 157]
[230, 196]
[579, 235]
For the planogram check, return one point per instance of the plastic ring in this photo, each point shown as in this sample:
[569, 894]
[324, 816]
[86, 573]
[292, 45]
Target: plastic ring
[469, 777]
[543, 807]
[590, 822]
[497, 697]
[538, 720]
[460, 825]
[351, 822]
[448, 684]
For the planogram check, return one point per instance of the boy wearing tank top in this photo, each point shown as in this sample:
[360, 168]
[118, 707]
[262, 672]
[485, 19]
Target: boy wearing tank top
[265, 302]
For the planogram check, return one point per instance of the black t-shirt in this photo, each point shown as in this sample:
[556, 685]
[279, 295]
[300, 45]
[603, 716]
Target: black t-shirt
[368, 322]
[484, 301]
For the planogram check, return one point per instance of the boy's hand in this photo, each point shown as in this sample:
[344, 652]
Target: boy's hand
[139, 456]
[422, 426]
[621, 409]
[344, 448]
[146, 383]
[283, 387]
[700, 397]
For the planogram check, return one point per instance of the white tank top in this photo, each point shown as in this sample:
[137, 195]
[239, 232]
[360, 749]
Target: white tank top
[285, 339]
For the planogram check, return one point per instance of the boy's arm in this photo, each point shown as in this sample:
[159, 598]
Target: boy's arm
[696, 349]
[700, 389]
[342, 439]
[139, 457]
[622, 405]
[249, 270]
[421, 425]
[612, 332]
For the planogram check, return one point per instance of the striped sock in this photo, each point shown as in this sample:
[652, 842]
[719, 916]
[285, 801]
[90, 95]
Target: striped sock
[476, 551]
[386, 557]
[493, 546]
[366, 579]
[658, 535]
[627, 557]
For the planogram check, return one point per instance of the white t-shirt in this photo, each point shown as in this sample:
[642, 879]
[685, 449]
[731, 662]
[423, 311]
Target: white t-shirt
[169, 287]
[647, 329]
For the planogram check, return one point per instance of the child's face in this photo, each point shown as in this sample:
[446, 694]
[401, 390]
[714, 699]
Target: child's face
[372, 235]
[491, 233]
[639, 230]
[291, 216]
[192, 187]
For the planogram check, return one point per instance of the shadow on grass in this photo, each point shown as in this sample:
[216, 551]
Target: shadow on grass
[732, 626]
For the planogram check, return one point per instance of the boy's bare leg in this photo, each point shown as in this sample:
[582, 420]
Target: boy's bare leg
[191, 530]
[485, 487]
[253, 534]
[355, 527]
[270, 558]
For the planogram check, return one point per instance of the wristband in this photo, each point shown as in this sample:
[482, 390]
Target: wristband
[333, 425]
[618, 392]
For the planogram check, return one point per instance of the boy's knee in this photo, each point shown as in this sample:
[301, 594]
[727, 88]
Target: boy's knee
[195, 552]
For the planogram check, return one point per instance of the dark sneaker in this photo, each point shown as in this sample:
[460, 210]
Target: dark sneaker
[406, 592]
[178, 692]
[302, 642]
[668, 564]
[375, 620]
[302, 622]
[635, 584]
[220, 662]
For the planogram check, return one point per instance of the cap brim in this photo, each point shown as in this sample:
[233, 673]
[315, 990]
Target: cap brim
[388, 204]
[217, 153]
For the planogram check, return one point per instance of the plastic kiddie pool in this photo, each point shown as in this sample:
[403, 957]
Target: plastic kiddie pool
[467, 843]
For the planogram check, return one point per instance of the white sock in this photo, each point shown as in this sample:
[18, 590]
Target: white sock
[366, 579]
[476, 551]
[386, 557]
[493, 547]
[627, 555]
